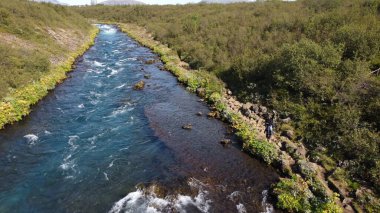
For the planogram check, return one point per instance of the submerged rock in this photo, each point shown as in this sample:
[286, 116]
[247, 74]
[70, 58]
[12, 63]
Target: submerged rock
[139, 85]
[199, 113]
[150, 61]
[147, 76]
[225, 141]
[187, 126]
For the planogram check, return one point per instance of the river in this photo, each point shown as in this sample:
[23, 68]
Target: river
[95, 144]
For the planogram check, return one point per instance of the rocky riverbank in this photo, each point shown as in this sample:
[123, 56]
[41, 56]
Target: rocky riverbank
[306, 184]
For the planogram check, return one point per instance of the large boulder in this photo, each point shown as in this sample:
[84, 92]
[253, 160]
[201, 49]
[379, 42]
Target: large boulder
[297, 151]
[307, 169]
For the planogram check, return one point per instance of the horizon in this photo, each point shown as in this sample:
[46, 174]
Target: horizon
[153, 2]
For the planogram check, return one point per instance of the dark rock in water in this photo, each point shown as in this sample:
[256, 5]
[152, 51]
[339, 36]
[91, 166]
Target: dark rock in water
[225, 141]
[139, 85]
[147, 76]
[201, 92]
[187, 126]
[199, 113]
[150, 61]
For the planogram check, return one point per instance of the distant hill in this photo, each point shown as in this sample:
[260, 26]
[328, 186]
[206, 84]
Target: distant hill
[48, 1]
[121, 2]
[222, 1]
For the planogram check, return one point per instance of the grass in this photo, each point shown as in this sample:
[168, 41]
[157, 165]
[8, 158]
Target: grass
[17, 104]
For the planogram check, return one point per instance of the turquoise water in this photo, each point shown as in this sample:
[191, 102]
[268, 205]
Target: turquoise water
[96, 145]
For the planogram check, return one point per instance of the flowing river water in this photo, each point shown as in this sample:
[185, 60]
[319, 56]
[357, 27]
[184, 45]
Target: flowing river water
[96, 145]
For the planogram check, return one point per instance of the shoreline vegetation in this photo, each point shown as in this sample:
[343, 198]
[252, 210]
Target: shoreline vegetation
[303, 186]
[17, 103]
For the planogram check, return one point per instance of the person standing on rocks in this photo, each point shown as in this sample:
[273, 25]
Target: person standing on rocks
[269, 122]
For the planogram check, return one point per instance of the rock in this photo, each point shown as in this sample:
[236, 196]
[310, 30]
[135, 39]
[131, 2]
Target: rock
[187, 126]
[347, 201]
[230, 130]
[286, 163]
[147, 76]
[150, 61]
[348, 208]
[255, 108]
[246, 106]
[139, 85]
[301, 151]
[199, 113]
[213, 114]
[201, 92]
[229, 92]
[263, 109]
[246, 109]
[247, 113]
[307, 169]
[288, 133]
[286, 120]
[253, 116]
[225, 141]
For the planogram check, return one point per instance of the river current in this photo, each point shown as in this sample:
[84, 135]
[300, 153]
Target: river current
[95, 144]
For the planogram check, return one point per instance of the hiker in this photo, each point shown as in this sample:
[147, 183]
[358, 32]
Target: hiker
[269, 126]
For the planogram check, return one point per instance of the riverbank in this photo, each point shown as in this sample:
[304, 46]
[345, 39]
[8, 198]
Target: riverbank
[17, 104]
[303, 187]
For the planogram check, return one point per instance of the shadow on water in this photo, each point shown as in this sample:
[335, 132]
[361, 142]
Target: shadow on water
[95, 145]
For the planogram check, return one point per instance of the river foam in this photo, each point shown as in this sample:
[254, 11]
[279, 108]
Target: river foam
[146, 200]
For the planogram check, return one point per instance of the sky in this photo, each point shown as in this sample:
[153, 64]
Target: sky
[83, 2]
